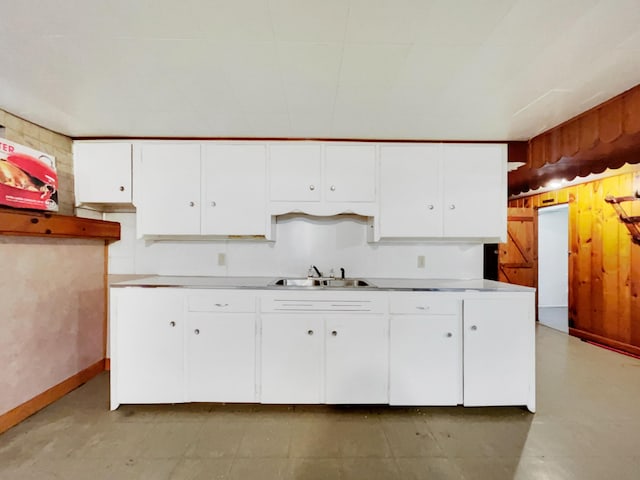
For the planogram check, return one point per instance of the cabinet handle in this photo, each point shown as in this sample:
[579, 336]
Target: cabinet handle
[213, 204]
[312, 187]
[310, 332]
[449, 334]
[452, 207]
[430, 207]
[422, 308]
[192, 204]
[334, 333]
[172, 324]
[474, 327]
[121, 188]
[333, 188]
[196, 331]
[222, 305]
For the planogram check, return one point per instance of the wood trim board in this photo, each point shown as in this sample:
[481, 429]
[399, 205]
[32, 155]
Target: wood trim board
[21, 412]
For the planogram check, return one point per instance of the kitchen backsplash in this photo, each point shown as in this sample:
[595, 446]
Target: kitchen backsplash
[330, 242]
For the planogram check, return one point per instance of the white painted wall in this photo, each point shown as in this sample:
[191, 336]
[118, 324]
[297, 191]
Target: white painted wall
[330, 242]
[553, 261]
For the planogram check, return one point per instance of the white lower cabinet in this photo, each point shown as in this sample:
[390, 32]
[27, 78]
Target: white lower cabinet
[220, 357]
[335, 359]
[499, 351]
[425, 342]
[357, 359]
[292, 358]
[147, 347]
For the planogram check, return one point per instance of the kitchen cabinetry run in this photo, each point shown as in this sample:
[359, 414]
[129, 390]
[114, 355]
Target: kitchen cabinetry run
[191, 189]
[443, 190]
[425, 350]
[322, 179]
[102, 173]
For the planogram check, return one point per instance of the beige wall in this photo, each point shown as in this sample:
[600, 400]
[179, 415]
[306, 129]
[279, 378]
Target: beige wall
[52, 313]
[29, 134]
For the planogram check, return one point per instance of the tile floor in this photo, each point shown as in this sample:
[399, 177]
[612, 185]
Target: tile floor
[587, 427]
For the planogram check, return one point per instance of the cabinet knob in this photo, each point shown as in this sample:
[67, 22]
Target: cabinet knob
[121, 188]
[196, 331]
[334, 333]
[333, 188]
[213, 204]
[310, 332]
[312, 187]
[449, 334]
[192, 204]
[474, 327]
[452, 207]
[173, 324]
[430, 207]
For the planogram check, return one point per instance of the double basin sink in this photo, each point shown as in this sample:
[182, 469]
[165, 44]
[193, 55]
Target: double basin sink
[314, 282]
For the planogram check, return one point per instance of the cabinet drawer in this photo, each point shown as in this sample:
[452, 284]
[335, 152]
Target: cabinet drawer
[221, 302]
[365, 304]
[424, 305]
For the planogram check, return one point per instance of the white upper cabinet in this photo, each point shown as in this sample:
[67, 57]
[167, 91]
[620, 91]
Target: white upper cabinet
[295, 172]
[410, 190]
[322, 179]
[443, 190]
[201, 189]
[350, 173]
[475, 190]
[102, 172]
[168, 189]
[234, 189]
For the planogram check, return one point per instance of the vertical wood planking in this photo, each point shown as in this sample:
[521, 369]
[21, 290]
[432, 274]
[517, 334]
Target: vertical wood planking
[610, 319]
[583, 278]
[624, 267]
[597, 297]
[574, 248]
[635, 276]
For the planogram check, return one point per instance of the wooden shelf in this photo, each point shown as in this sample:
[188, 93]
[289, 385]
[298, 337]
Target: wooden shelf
[45, 224]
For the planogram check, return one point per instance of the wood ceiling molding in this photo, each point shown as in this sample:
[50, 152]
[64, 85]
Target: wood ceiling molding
[607, 136]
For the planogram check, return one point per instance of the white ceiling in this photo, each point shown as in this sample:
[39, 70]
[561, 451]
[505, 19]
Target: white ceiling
[401, 69]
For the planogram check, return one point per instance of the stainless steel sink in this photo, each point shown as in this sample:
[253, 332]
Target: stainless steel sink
[323, 282]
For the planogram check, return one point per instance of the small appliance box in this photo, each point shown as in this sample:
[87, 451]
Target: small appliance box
[28, 178]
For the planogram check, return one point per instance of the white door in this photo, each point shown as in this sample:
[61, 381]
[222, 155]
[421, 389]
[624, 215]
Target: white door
[410, 191]
[234, 189]
[103, 172]
[425, 360]
[169, 189]
[475, 192]
[294, 173]
[150, 345]
[498, 351]
[350, 173]
[357, 359]
[292, 358]
[221, 362]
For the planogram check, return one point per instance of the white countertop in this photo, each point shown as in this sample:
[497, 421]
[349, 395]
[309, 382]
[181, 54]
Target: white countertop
[264, 283]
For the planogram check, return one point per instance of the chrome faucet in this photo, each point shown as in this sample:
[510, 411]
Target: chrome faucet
[311, 269]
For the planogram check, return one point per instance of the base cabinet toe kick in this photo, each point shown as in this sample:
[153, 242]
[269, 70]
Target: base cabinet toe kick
[176, 345]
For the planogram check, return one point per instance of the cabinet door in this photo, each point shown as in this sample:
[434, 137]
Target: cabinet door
[425, 360]
[357, 359]
[499, 358]
[221, 361]
[475, 190]
[169, 189]
[292, 358]
[294, 173]
[148, 352]
[410, 191]
[102, 172]
[350, 173]
[234, 196]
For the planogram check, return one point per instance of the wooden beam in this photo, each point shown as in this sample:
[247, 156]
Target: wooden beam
[45, 224]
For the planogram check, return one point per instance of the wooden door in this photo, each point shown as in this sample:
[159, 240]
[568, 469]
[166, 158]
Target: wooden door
[518, 258]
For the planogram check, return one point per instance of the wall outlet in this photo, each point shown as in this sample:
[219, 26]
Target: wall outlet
[222, 259]
[420, 261]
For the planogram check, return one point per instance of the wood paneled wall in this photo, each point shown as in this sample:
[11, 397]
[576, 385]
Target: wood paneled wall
[604, 265]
